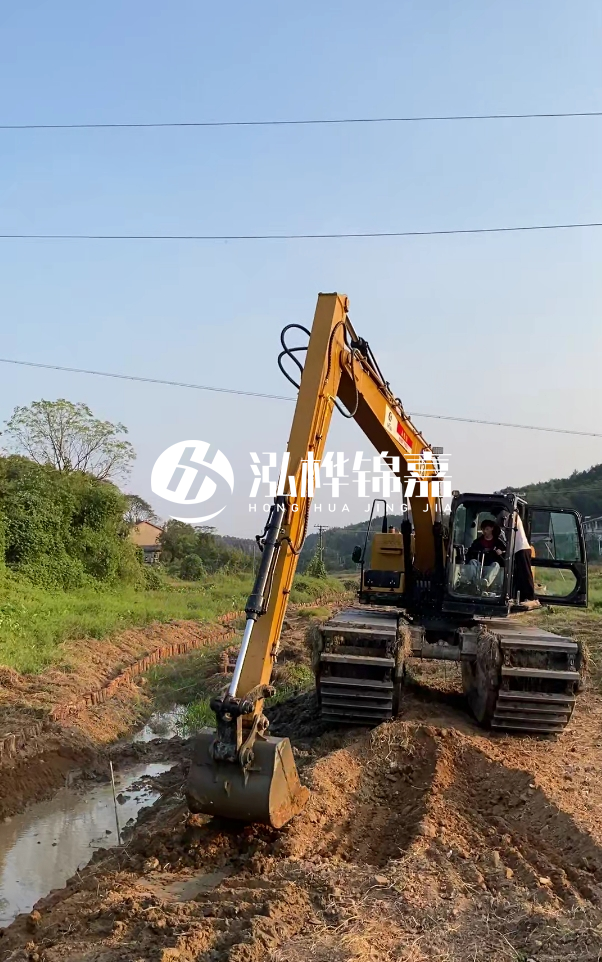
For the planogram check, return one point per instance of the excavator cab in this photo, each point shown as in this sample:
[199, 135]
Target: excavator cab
[558, 559]
[474, 583]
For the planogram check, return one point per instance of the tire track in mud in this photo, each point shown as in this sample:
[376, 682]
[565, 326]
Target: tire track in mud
[539, 839]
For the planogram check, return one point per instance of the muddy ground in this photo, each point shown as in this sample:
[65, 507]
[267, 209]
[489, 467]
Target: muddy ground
[81, 740]
[424, 839]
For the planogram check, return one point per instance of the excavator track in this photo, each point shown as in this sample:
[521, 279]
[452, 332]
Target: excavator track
[516, 678]
[358, 666]
[540, 675]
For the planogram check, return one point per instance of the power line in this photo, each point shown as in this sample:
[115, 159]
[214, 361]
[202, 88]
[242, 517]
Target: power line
[283, 397]
[506, 424]
[333, 121]
[259, 237]
[145, 380]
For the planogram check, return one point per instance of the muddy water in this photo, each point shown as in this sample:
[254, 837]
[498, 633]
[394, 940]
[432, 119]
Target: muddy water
[45, 845]
[160, 725]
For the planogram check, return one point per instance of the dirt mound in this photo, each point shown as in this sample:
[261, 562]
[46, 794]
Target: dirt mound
[418, 843]
[424, 840]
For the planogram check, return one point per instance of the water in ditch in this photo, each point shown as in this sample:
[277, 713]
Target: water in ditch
[47, 843]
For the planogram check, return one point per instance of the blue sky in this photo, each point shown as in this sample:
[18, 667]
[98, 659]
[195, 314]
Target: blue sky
[501, 327]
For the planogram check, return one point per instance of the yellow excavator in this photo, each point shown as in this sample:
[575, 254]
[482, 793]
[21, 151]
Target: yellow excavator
[420, 596]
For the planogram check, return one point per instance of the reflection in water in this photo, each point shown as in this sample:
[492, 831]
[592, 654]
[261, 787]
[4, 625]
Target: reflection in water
[45, 845]
[160, 725]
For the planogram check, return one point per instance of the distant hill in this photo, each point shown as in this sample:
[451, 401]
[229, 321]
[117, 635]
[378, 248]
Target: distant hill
[340, 542]
[581, 491]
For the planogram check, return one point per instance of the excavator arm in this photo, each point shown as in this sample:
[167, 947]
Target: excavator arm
[239, 771]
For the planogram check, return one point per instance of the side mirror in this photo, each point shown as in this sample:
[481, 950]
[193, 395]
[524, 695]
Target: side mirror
[356, 556]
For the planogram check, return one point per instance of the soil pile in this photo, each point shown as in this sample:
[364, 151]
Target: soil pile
[424, 840]
[418, 843]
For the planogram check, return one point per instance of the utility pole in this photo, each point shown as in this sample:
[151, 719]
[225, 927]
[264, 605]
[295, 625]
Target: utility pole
[321, 528]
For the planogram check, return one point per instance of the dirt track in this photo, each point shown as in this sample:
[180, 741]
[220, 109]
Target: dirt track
[424, 839]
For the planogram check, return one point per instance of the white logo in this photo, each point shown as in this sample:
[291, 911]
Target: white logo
[184, 474]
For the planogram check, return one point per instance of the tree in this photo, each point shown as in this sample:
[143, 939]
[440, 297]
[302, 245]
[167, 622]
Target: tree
[70, 438]
[191, 552]
[138, 510]
[177, 540]
[316, 568]
[64, 529]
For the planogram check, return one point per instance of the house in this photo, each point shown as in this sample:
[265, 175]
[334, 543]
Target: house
[146, 535]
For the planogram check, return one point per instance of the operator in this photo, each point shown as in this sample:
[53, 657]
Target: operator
[486, 554]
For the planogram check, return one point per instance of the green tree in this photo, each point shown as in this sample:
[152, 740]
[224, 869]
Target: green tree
[69, 437]
[316, 568]
[138, 510]
[64, 529]
[177, 540]
[192, 568]
[191, 552]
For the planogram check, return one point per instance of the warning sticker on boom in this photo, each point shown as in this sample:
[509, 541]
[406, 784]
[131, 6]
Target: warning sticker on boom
[397, 430]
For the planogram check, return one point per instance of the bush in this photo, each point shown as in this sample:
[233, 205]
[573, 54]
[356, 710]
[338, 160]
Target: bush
[191, 568]
[154, 579]
[62, 529]
[316, 568]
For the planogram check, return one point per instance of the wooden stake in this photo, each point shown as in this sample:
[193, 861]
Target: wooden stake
[115, 802]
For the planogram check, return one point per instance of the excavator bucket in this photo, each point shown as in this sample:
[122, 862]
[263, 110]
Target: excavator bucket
[269, 792]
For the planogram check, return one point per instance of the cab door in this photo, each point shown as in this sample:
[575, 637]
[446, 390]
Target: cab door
[560, 562]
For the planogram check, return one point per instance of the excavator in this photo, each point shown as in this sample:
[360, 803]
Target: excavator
[415, 600]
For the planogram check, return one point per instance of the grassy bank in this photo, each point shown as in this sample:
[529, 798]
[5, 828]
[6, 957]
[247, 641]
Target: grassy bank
[35, 621]
[191, 681]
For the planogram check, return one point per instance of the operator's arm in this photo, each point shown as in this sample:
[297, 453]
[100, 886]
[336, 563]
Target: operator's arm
[500, 550]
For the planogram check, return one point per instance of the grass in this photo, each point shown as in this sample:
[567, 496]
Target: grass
[319, 613]
[35, 621]
[188, 678]
[197, 715]
[292, 680]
